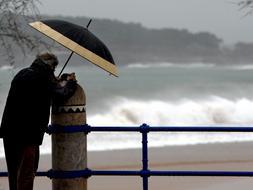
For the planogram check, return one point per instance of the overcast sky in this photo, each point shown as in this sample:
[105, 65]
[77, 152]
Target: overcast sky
[221, 17]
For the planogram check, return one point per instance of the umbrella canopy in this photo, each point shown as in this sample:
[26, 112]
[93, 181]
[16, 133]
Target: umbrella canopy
[79, 40]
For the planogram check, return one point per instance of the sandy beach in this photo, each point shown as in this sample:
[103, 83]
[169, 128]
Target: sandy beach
[225, 156]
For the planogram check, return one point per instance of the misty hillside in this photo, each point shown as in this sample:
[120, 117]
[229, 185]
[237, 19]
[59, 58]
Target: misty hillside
[131, 42]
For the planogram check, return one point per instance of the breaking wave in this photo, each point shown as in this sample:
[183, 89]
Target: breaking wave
[212, 111]
[242, 67]
[166, 65]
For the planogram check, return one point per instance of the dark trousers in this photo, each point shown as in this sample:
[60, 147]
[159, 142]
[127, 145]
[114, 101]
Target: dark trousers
[22, 164]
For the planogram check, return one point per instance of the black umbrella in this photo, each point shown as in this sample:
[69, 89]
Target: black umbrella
[79, 40]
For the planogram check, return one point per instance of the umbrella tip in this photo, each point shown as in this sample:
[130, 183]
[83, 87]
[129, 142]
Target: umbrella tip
[88, 24]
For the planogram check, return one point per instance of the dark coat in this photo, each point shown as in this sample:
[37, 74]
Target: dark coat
[27, 109]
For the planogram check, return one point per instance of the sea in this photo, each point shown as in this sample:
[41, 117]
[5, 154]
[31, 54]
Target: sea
[159, 94]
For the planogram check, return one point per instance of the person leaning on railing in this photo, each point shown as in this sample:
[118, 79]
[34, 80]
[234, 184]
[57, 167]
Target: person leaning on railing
[26, 117]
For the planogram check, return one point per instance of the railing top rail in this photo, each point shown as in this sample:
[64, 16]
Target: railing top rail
[145, 128]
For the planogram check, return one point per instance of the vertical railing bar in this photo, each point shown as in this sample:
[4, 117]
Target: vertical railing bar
[144, 151]
[145, 183]
[144, 131]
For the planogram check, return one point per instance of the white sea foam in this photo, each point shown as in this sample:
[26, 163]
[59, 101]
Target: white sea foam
[6, 67]
[212, 111]
[242, 67]
[167, 64]
[215, 111]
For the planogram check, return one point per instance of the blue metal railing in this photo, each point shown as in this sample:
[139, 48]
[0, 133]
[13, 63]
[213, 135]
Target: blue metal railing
[145, 173]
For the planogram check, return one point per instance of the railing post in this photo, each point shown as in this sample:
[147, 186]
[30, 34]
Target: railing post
[145, 172]
[69, 150]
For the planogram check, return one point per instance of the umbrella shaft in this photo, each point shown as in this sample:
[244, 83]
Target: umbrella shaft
[65, 63]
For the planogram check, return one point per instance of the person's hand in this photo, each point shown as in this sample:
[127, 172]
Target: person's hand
[72, 77]
[57, 78]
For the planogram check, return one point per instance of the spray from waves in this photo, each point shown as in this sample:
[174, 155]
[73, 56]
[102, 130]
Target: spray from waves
[167, 64]
[6, 67]
[212, 111]
[128, 112]
[241, 67]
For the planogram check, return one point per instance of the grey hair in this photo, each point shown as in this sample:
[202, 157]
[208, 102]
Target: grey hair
[48, 58]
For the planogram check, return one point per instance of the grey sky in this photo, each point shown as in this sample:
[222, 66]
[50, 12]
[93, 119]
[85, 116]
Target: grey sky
[221, 17]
